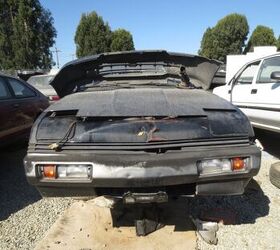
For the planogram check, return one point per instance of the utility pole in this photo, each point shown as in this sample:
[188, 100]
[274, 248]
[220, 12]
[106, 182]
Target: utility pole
[56, 51]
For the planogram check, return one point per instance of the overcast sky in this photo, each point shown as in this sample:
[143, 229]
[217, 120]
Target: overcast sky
[171, 25]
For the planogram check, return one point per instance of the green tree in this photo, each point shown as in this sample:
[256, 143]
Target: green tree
[121, 40]
[6, 31]
[206, 47]
[26, 35]
[93, 36]
[227, 37]
[261, 36]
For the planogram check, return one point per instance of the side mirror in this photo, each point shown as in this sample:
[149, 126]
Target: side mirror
[275, 75]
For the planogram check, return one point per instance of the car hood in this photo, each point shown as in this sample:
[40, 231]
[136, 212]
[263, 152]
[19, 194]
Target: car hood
[156, 102]
[93, 68]
[165, 114]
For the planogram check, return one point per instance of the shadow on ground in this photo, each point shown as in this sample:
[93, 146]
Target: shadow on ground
[174, 212]
[248, 207]
[270, 141]
[15, 192]
[232, 210]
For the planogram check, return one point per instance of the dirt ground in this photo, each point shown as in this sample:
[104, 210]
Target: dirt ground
[86, 225]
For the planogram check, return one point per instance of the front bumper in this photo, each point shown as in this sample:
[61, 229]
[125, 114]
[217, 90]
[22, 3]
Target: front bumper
[117, 172]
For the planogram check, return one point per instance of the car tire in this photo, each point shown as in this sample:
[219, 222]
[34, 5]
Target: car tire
[274, 174]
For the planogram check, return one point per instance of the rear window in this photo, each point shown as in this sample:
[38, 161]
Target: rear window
[20, 90]
[41, 82]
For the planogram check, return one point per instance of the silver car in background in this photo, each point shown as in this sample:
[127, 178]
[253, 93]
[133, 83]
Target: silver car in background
[42, 83]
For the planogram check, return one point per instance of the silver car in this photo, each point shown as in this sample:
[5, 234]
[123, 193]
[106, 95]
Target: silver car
[42, 83]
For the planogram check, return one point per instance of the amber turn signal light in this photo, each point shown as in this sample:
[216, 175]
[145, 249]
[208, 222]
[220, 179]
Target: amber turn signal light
[49, 171]
[238, 163]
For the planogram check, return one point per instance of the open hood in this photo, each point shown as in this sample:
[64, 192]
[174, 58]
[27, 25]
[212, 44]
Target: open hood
[133, 65]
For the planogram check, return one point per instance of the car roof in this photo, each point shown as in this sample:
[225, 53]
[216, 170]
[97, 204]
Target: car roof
[18, 79]
[264, 57]
[7, 75]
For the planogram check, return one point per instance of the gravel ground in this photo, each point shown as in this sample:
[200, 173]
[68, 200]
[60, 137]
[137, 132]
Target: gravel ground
[25, 216]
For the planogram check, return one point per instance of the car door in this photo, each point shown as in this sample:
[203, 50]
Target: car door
[8, 111]
[266, 97]
[242, 93]
[24, 103]
[239, 89]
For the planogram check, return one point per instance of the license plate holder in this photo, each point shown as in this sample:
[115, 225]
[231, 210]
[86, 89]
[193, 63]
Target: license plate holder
[132, 198]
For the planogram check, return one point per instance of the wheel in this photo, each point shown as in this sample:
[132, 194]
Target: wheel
[274, 174]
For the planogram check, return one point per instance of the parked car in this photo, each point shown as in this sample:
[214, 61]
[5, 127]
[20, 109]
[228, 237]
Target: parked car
[140, 125]
[255, 89]
[26, 74]
[42, 83]
[20, 104]
[219, 78]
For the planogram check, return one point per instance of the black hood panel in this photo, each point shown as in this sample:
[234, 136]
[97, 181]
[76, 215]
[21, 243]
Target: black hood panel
[142, 116]
[142, 102]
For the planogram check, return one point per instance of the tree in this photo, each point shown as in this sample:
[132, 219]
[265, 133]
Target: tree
[206, 47]
[26, 35]
[6, 31]
[121, 40]
[261, 36]
[227, 37]
[278, 43]
[93, 36]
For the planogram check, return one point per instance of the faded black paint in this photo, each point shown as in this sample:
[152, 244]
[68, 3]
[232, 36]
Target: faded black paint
[143, 135]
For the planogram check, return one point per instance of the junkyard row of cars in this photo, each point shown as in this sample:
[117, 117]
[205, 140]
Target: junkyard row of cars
[142, 126]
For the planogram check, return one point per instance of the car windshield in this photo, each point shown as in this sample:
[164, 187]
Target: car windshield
[41, 82]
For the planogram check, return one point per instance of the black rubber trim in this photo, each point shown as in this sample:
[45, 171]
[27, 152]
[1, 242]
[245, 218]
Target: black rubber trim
[44, 146]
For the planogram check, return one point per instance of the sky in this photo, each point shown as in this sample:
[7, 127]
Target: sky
[174, 25]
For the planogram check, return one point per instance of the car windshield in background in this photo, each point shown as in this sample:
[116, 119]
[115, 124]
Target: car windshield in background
[41, 82]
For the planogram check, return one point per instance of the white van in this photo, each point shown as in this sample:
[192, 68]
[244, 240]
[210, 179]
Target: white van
[255, 89]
